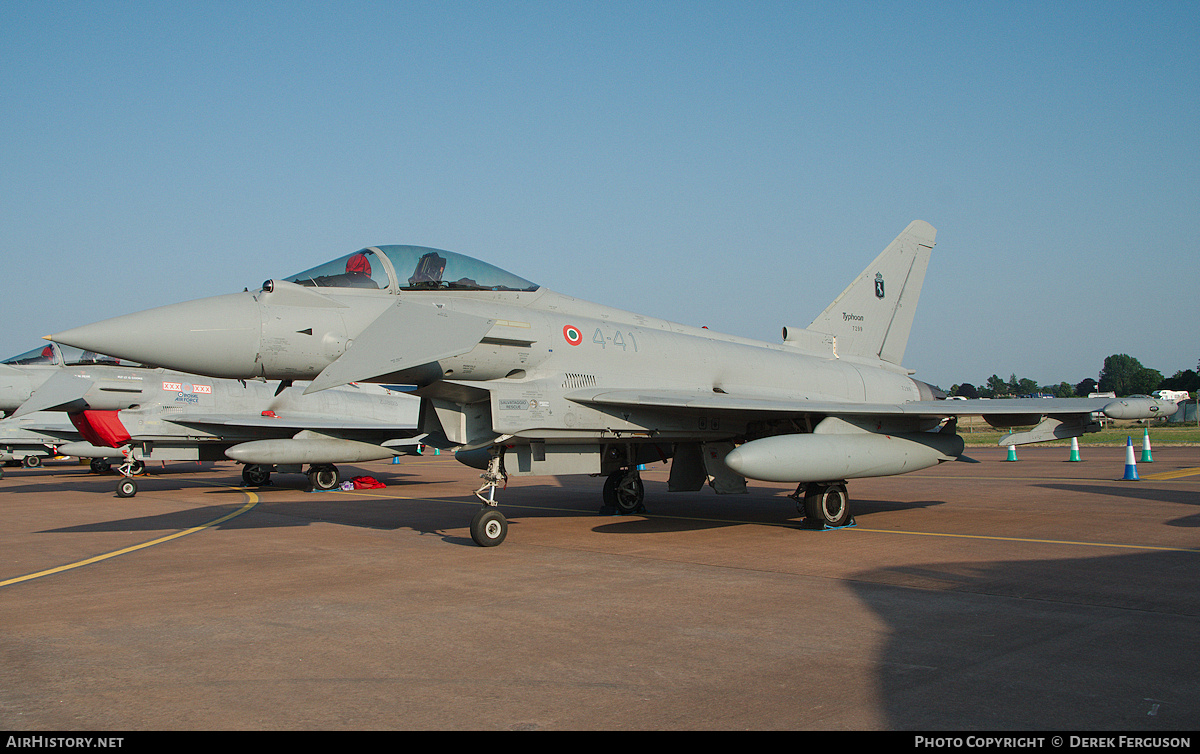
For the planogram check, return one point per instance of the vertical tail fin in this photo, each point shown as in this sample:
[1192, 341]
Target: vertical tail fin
[874, 315]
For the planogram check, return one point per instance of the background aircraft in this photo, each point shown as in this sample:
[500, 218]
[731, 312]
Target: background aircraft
[33, 438]
[524, 380]
[23, 440]
[158, 414]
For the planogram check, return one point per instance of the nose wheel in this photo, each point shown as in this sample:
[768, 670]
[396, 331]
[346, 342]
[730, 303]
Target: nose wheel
[489, 527]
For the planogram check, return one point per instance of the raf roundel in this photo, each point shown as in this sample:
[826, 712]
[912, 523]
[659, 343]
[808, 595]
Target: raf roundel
[572, 334]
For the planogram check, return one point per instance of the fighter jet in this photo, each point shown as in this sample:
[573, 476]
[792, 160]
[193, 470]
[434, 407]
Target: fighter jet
[524, 381]
[140, 414]
[28, 441]
[32, 438]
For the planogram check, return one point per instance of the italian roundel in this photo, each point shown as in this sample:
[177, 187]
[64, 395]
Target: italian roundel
[572, 334]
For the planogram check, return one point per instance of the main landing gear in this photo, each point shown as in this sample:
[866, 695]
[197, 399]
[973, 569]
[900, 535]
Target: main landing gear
[624, 493]
[825, 504]
[324, 477]
[488, 526]
[254, 475]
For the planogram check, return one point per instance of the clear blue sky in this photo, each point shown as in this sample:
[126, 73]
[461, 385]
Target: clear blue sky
[730, 164]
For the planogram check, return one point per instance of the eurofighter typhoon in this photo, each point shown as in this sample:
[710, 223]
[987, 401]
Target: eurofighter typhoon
[136, 414]
[526, 381]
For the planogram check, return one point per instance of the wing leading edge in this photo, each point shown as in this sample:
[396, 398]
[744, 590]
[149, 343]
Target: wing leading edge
[1116, 408]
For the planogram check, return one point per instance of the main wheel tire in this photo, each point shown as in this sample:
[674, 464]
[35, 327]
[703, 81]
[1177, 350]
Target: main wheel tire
[624, 491]
[489, 527]
[255, 475]
[100, 465]
[126, 487]
[324, 477]
[32, 462]
[828, 505]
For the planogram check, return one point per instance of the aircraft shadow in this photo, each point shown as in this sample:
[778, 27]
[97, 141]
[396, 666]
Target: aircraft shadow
[704, 513]
[279, 506]
[1177, 496]
[1077, 644]
[373, 513]
[179, 478]
[703, 510]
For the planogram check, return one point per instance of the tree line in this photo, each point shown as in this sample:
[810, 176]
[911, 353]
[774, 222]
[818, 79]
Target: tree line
[1122, 374]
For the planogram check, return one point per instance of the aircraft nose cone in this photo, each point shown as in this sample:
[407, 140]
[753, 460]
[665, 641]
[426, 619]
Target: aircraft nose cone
[217, 336]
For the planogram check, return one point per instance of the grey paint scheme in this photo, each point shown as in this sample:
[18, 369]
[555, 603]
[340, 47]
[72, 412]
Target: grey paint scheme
[37, 435]
[569, 386]
[172, 415]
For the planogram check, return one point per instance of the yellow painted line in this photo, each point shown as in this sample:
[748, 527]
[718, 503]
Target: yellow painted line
[1177, 474]
[1031, 540]
[250, 503]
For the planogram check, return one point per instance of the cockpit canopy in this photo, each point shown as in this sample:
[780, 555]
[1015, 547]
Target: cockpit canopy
[411, 268]
[57, 355]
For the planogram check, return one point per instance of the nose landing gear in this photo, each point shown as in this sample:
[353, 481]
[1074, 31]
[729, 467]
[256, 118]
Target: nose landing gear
[488, 526]
[130, 468]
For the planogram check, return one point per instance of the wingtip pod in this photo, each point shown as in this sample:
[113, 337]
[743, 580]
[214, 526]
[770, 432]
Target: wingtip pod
[1139, 408]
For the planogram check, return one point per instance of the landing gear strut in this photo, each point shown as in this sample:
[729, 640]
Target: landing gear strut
[825, 504]
[489, 527]
[131, 467]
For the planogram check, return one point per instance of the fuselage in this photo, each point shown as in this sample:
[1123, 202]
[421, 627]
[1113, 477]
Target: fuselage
[530, 356]
[543, 349]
